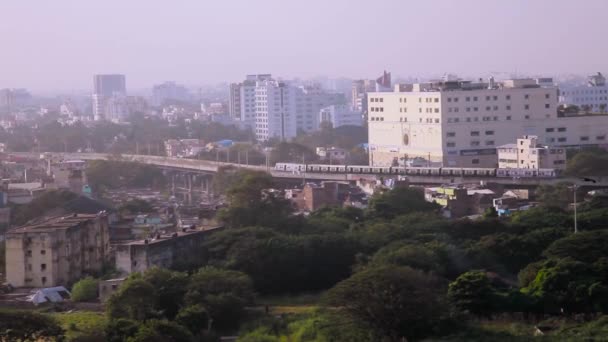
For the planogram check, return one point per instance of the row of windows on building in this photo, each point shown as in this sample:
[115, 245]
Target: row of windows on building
[490, 108]
[376, 109]
[587, 91]
[581, 139]
[586, 99]
[457, 109]
[473, 133]
[491, 98]
[474, 143]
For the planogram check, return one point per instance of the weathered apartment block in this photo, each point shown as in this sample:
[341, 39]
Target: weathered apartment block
[180, 248]
[57, 251]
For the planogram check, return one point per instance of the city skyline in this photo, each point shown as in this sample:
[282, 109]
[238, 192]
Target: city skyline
[214, 42]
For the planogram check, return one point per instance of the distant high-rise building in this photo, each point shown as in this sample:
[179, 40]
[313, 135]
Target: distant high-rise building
[169, 91]
[340, 115]
[241, 105]
[275, 104]
[107, 88]
[282, 109]
[11, 98]
[360, 89]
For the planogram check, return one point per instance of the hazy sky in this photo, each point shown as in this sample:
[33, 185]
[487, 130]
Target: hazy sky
[60, 44]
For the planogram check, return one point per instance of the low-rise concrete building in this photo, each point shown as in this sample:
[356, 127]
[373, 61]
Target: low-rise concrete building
[528, 154]
[57, 251]
[180, 248]
[108, 287]
[460, 201]
[333, 155]
[314, 196]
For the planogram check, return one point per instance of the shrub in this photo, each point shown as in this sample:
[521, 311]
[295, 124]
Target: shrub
[85, 290]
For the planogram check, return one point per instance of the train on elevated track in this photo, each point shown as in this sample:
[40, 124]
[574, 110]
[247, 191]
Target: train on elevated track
[417, 171]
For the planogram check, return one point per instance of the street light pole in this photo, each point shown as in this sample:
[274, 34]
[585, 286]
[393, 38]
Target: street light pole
[575, 211]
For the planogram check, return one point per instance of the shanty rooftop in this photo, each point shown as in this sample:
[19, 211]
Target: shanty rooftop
[54, 223]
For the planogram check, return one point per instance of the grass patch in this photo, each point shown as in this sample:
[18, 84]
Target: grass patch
[82, 324]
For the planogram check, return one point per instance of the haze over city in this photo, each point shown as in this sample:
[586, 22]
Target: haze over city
[310, 171]
[58, 45]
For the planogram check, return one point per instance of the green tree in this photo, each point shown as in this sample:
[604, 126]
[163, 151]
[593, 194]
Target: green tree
[590, 162]
[399, 201]
[251, 204]
[286, 152]
[223, 293]
[124, 174]
[40, 205]
[559, 195]
[28, 326]
[170, 289]
[568, 285]
[490, 213]
[85, 290]
[405, 254]
[195, 318]
[292, 264]
[395, 302]
[472, 292]
[541, 217]
[119, 330]
[156, 330]
[136, 299]
[585, 246]
[136, 206]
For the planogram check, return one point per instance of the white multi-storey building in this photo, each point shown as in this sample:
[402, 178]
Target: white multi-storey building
[592, 97]
[309, 101]
[460, 123]
[275, 104]
[340, 115]
[107, 91]
[527, 153]
[282, 110]
[241, 105]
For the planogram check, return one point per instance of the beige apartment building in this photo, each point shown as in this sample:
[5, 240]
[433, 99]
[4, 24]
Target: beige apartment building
[58, 251]
[461, 123]
[528, 154]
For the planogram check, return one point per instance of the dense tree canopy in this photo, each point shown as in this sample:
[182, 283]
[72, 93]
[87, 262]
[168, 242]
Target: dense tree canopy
[124, 174]
[395, 302]
[399, 201]
[590, 162]
[251, 204]
[28, 326]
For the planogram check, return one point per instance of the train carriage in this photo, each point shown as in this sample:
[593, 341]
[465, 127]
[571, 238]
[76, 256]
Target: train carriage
[451, 171]
[358, 169]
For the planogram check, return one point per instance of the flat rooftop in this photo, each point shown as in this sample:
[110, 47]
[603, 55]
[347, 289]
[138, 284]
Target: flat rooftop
[54, 223]
[167, 237]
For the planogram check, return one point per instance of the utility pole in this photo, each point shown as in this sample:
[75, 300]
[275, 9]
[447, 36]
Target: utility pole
[304, 173]
[574, 187]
